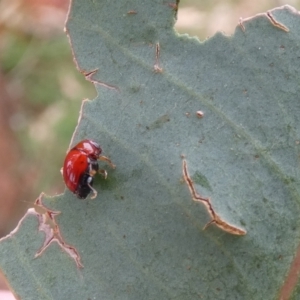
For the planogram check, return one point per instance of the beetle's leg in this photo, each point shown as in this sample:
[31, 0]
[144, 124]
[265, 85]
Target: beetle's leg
[94, 168]
[103, 173]
[106, 159]
[92, 171]
[95, 193]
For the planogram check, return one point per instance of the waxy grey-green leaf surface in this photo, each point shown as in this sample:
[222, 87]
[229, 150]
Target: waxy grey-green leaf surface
[142, 237]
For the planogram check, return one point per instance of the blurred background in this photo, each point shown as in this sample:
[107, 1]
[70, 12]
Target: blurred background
[41, 90]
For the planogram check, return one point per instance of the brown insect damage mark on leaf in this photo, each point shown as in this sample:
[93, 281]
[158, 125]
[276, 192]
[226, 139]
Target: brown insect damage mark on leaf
[48, 225]
[291, 279]
[157, 68]
[276, 23]
[131, 12]
[206, 201]
[89, 76]
[270, 17]
[241, 20]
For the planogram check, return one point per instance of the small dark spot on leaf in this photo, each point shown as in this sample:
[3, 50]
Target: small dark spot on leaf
[265, 200]
[134, 88]
[289, 180]
[200, 179]
[136, 173]
[159, 122]
[243, 223]
[150, 32]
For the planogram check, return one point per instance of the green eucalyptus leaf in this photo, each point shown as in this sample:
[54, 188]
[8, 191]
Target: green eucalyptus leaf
[143, 237]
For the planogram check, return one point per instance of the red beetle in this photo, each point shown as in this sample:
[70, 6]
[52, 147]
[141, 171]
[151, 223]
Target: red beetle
[81, 165]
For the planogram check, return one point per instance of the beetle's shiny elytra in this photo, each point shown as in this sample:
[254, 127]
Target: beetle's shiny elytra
[81, 164]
